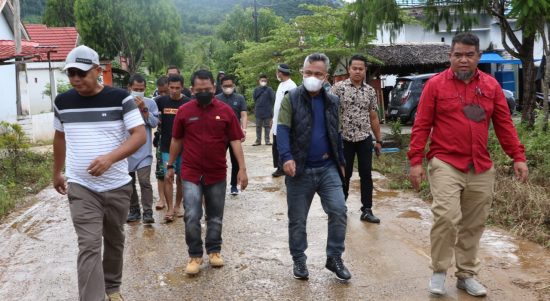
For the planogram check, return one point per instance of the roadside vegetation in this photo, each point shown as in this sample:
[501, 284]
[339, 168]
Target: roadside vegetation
[22, 172]
[523, 209]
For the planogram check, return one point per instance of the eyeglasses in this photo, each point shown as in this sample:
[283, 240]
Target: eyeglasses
[71, 72]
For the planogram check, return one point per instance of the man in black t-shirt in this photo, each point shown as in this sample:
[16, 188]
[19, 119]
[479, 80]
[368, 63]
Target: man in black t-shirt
[168, 107]
[238, 104]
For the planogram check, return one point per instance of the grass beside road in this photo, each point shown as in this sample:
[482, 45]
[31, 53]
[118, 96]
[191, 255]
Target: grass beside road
[34, 173]
[523, 209]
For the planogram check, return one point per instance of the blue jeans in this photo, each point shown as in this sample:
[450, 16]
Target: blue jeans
[326, 182]
[214, 202]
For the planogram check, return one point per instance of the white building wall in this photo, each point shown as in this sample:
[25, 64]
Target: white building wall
[487, 30]
[38, 78]
[42, 127]
[5, 29]
[8, 97]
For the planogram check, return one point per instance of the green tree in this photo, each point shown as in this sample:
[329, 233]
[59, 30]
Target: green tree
[133, 29]
[462, 15]
[59, 13]
[290, 43]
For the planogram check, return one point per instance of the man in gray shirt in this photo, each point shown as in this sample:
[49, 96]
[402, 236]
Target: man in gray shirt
[238, 104]
[139, 163]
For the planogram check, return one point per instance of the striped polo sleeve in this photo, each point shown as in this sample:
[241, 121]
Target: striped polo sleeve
[130, 112]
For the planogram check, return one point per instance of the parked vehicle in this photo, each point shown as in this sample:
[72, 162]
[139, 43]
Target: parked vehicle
[405, 96]
[510, 100]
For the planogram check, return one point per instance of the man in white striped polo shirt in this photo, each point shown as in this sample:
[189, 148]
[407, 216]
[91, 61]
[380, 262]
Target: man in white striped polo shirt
[91, 124]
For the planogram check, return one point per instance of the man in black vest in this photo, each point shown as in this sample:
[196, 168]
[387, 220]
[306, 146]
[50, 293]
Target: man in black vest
[310, 147]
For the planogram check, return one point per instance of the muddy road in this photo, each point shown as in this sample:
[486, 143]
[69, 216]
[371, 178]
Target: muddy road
[388, 261]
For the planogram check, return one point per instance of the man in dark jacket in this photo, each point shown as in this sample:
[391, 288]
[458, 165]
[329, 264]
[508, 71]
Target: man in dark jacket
[264, 99]
[310, 147]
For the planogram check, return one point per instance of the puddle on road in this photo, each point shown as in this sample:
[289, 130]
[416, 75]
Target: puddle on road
[410, 214]
[384, 194]
[271, 189]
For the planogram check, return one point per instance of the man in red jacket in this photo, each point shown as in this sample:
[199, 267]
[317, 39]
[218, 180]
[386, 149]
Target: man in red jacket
[455, 111]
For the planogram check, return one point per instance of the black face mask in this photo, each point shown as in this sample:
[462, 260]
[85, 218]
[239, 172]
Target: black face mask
[204, 98]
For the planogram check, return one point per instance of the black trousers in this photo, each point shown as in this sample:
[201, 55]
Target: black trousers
[363, 149]
[234, 166]
[275, 152]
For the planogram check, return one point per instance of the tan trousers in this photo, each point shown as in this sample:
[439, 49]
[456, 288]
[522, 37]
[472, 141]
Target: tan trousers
[96, 215]
[461, 203]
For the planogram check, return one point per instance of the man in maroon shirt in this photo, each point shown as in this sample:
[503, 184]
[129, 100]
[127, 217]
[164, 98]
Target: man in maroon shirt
[455, 111]
[205, 126]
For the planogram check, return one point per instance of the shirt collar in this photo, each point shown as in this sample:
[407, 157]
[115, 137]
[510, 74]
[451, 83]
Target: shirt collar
[350, 83]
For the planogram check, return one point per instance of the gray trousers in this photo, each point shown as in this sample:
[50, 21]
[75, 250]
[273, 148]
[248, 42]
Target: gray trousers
[263, 123]
[144, 178]
[96, 215]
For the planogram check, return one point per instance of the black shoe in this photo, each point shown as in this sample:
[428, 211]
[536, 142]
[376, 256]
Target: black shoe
[256, 143]
[369, 217]
[148, 217]
[336, 265]
[134, 214]
[300, 270]
[278, 173]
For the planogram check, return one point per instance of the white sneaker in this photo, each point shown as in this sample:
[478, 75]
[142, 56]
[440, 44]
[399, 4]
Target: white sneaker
[471, 286]
[437, 283]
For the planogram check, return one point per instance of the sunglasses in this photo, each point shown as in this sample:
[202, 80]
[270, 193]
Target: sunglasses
[77, 72]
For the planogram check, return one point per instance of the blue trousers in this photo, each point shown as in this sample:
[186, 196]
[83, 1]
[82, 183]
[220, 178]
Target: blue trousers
[326, 182]
[214, 202]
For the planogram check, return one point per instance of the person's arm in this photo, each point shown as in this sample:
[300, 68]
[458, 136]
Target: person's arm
[508, 136]
[284, 123]
[59, 151]
[152, 119]
[420, 131]
[242, 177]
[244, 120]
[102, 163]
[375, 125]
[176, 146]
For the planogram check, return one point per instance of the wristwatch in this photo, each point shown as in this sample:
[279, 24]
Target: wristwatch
[169, 166]
[145, 110]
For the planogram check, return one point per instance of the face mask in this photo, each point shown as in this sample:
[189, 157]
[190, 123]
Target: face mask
[204, 98]
[228, 91]
[312, 83]
[263, 84]
[138, 94]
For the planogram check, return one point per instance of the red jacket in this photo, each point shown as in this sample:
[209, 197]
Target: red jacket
[454, 138]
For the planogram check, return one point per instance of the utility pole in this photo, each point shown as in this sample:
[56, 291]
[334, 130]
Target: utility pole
[16, 28]
[255, 16]
[17, 42]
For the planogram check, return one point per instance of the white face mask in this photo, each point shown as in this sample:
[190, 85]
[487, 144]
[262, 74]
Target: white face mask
[263, 84]
[312, 83]
[138, 94]
[228, 91]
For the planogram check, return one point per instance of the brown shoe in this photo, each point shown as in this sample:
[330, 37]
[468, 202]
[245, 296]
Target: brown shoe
[115, 297]
[216, 260]
[193, 266]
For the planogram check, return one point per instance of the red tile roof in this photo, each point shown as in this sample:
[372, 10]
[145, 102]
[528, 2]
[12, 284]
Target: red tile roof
[64, 38]
[28, 49]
